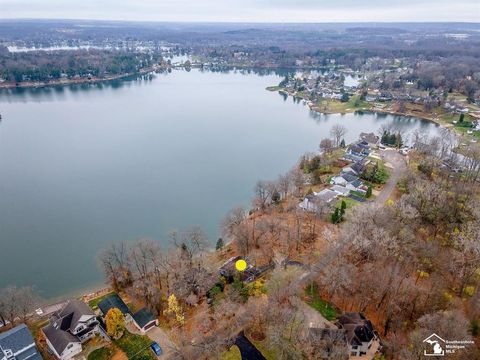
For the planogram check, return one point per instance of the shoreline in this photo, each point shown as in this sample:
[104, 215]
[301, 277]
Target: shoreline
[95, 290]
[373, 110]
[67, 82]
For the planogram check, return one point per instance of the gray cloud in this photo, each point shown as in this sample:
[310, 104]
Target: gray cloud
[246, 10]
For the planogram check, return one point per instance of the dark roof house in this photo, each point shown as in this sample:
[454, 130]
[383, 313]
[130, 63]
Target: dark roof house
[113, 301]
[359, 332]
[18, 344]
[142, 319]
[69, 327]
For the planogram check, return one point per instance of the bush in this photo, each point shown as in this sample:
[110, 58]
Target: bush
[369, 192]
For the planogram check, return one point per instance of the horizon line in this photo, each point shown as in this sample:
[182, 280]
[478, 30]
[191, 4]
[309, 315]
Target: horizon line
[248, 22]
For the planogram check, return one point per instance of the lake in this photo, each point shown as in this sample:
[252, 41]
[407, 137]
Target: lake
[85, 166]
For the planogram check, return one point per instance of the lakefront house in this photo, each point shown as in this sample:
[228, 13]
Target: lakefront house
[18, 344]
[69, 328]
[143, 319]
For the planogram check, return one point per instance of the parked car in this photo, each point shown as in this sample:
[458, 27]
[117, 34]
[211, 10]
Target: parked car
[156, 349]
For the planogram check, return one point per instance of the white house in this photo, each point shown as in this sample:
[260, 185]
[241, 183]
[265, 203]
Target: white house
[312, 202]
[359, 332]
[69, 328]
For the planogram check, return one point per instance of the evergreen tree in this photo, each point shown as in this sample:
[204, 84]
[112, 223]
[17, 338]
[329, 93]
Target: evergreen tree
[342, 143]
[369, 192]
[462, 117]
[343, 207]
[220, 244]
[335, 216]
[276, 197]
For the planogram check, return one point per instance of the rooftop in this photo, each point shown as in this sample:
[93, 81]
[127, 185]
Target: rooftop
[113, 301]
[20, 342]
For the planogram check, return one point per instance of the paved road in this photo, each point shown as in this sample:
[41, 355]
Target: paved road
[396, 165]
[158, 335]
[247, 349]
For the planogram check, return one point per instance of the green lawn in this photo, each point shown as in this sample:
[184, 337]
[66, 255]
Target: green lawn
[264, 349]
[37, 326]
[135, 346]
[94, 302]
[348, 201]
[104, 353]
[232, 354]
[313, 299]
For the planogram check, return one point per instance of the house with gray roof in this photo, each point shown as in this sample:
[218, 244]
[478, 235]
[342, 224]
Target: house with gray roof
[114, 301]
[349, 181]
[18, 344]
[370, 138]
[143, 319]
[69, 328]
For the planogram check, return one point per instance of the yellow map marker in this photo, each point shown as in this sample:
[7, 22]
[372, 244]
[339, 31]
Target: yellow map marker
[240, 265]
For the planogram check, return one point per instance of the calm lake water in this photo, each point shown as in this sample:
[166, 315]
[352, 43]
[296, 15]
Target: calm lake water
[85, 166]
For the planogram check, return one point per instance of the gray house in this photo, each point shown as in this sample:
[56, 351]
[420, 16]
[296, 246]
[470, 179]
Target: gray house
[18, 344]
[69, 328]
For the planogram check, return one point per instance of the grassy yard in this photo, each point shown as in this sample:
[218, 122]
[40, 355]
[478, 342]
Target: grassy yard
[263, 347]
[94, 302]
[348, 201]
[37, 326]
[337, 106]
[104, 353]
[135, 346]
[313, 299]
[232, 354]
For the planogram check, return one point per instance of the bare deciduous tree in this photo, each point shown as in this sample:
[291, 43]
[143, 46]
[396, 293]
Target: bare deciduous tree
[338, 132]
[326, 146]
[17, 303]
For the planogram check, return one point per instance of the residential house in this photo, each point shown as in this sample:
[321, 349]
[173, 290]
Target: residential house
[360, 333]
[357, 167]
[114, 301]
[370, 138]
[309, 203]
[349, 181]
[326, 195]
[340, 190]
[352, 158]
[312, 202]
[143, 319]
[360, 149]
[18, 344]
[69, 328]
[228, 270]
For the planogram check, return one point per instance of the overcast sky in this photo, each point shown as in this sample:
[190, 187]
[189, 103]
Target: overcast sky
[246, 10]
